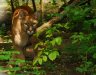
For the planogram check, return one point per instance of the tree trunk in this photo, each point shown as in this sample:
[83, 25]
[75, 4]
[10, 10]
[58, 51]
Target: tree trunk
[34, 6]
[27, 2]
[12, 6]
[42, 10]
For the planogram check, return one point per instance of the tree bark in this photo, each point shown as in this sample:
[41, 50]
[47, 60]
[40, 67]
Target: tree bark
[12, 6]
[42, 10]
[27, 2]
[34, 6]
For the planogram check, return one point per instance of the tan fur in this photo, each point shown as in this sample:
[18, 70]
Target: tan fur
[19, 37]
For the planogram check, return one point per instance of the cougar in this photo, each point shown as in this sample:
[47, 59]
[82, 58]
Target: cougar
[24, 24]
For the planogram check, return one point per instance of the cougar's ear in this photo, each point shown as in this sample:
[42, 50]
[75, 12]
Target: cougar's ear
[22, 14]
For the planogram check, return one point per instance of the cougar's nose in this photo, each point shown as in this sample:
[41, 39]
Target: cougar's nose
[30, 29]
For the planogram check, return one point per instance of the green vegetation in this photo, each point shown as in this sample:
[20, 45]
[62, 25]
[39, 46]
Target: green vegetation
[78, 27]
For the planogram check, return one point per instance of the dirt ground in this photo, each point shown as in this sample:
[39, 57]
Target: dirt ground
[63, 65]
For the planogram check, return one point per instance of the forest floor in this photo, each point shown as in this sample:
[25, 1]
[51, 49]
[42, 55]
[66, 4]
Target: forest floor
[61, 66]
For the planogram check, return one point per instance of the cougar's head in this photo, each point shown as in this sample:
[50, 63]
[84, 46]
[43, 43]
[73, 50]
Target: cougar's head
[28, 22]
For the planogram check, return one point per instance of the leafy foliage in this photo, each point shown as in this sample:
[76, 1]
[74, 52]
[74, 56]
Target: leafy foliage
[80, 22]
[49, 51]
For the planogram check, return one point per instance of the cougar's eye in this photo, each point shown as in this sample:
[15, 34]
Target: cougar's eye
[25, 25]
[34, 26]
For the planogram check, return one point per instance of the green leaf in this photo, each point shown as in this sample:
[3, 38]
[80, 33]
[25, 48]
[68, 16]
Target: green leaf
[15, 52]
[53, 42]
[66, 26]
[1, 68]
[49, 31]
[15, 69]
[94, 55]
[5, 52]
[52, 56]
[38, 44]
[40, 61]
[58, 40]
[17, 61]
[46, 53]
[4, 57]
[44, 58]
[49, 35]
[79, 69]
[35, 61]
[74, 41]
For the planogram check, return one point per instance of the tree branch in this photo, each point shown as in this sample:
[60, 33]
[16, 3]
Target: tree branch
[48, 24]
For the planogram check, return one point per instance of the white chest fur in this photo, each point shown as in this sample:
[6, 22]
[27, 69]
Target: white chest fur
[20, 40]
[17, 39]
